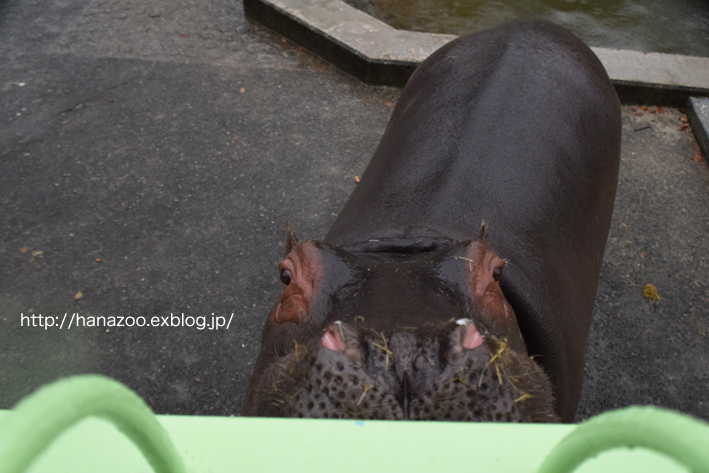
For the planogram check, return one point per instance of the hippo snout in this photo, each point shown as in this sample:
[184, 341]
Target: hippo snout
[461, 374]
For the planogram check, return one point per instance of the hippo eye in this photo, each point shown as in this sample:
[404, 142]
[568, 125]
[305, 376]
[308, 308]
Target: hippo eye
[285, 276]
[497, 273]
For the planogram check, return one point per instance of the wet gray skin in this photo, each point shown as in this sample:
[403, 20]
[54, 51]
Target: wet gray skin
[400, 312]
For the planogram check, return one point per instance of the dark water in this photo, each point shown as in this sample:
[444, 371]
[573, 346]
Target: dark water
[667, 26]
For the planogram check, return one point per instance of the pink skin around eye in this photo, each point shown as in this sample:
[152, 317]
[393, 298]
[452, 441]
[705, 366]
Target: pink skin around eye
[303, 263]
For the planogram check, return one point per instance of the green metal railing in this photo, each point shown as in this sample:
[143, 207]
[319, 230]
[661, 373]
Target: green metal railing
[40, 418]
[43, 416]
[680, 437]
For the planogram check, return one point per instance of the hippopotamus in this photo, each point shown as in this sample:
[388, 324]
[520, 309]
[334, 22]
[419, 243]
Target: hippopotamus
[459, 280]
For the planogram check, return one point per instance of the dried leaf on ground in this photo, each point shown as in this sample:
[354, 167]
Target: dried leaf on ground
[650, 292]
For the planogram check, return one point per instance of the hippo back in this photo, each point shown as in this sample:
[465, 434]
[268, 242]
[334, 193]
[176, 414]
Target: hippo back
[518, 127]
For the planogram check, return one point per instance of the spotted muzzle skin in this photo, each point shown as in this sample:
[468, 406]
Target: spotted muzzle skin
[409, 376]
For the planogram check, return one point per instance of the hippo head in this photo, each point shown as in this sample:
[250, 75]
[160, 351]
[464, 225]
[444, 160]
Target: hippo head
[395, 330]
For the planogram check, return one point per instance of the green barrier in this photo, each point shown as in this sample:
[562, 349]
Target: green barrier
[680, 437]
[39, 419]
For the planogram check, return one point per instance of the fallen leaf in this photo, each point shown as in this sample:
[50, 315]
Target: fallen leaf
[650, 292]
[642, 255]
[356, 178]
[660, 110]
[197, 379]
[184, 35]
[98, 260]
[623, 225]
[389, 104]
[638, 114]
[644, 109]
[698, 157]
[37, 253]
[683, 118]
[23, 250]
[242, 90]
[683, 127]
[78, 295]
[9, 85]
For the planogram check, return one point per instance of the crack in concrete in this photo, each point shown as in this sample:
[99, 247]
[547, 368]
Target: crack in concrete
[99, 94]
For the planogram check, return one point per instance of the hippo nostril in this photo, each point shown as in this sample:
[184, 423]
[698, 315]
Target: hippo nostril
[472, 338]
[333, 338]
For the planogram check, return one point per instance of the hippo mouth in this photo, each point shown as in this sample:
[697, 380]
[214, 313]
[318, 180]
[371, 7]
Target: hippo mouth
[357, 373]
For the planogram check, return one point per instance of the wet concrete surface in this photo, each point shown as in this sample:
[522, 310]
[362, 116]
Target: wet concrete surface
[171, 141]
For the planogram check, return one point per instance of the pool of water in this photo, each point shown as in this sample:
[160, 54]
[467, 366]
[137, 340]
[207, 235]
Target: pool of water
[667, 26]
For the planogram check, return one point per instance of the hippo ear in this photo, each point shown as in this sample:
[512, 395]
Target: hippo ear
[483, 231]
[291, 239]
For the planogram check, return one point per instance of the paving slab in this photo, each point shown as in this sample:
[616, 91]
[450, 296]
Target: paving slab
[172, 140]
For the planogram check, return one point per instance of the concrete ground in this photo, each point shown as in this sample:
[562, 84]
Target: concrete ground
[172, 140]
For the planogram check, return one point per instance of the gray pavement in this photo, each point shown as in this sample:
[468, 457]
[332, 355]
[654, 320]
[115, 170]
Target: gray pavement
[172, 140]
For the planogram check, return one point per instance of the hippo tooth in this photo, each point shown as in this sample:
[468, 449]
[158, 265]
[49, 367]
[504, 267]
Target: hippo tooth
[472, 339]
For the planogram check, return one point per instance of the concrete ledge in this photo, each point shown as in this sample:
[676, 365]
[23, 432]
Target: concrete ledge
[379, 54]
[698, 115]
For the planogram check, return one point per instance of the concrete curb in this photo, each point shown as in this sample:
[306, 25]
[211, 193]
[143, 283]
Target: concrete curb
[378, 54]
[698, 116]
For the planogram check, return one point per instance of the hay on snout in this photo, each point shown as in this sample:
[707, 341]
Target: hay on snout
[367, 387]
[470, 262]
[384, 348]
[500, 358]
[299, 350]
